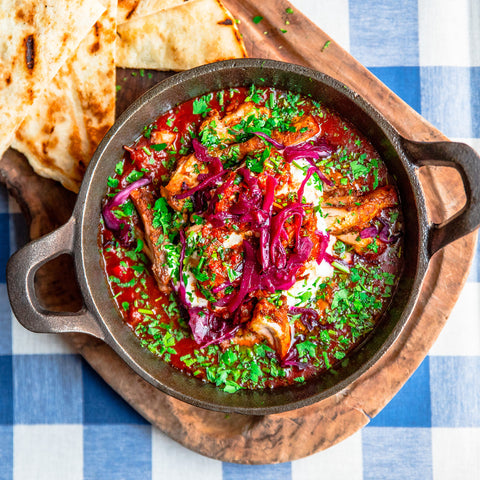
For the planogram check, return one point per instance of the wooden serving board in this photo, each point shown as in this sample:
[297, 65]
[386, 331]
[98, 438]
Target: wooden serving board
[296, 434]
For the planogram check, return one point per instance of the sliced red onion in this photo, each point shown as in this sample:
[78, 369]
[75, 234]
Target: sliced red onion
[230, 331]
[310, 171]
[385, 236]
[111, 221]
[222, 302]
[206, 179]
[309, 317]
[292, 360]
[307, 150]
[248, 274]
[277, 145]
[207, 329]
[252, 183]
[310, 153]
[220, 288]
[383, 233]
[331, 259]
[202, 185]
[274, 278]
[320, 174]
[284, 278]
[218, 219]
[202, 154]
[271, 183]
[369, 232]
[220, 190]
[322, 247]
[277, 251]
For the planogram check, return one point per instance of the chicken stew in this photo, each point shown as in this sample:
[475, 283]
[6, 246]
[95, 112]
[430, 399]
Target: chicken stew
[251, 237]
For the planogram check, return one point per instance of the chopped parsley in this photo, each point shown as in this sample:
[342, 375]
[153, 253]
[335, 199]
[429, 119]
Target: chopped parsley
[158, 147]
[134, 175]
[200, 105]
[326, 45]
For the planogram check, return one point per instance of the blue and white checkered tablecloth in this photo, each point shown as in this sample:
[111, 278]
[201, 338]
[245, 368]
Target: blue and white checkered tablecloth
[59, 420]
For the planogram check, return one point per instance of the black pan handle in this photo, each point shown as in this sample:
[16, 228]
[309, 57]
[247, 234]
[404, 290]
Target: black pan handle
[21, 269]
[467, 162]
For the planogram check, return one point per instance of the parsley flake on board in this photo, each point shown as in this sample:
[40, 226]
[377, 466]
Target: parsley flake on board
[326, 45]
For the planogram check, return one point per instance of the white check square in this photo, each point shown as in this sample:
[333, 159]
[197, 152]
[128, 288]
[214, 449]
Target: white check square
[455, 453]
[48, 452]
[180, 463]
[331, 463]
[331, 17]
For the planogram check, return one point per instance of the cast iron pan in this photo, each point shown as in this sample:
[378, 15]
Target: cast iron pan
[78, 236]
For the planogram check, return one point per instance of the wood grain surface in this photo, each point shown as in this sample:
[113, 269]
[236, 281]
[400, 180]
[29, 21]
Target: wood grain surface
[296, 434]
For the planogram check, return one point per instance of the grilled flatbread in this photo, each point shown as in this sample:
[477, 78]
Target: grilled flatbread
[36, 39]
[73, 114]
[130, 9]
[179, 38]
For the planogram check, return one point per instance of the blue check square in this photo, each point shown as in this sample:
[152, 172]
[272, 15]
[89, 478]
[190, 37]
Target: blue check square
[397, 453]
[4, 244]
[474, 275]
[102, 405]
[6, 390]
[3, 200]
[404, 81]
[5, 322]
[449, 99]
[455, 389]
[410, 407]
[117, 452]
[384, 33]
[19, 232]
[48, 389]
[233, 471]
[475, 100]
[6, 452]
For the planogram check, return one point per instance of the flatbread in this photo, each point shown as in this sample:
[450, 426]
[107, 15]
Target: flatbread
[68, 121]
[130, 9]
[36, 38]
[179, 38]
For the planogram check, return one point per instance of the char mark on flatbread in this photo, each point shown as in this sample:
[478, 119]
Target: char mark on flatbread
[30, 51]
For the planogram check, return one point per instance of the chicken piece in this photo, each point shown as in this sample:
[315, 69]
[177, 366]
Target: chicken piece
[162, 136]
[343, 220]
[363, 246]
[183, 178]
[305, 128]
[344, 200]
[360, 245]
[269, 323]
[144, 201]
[221, 126]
